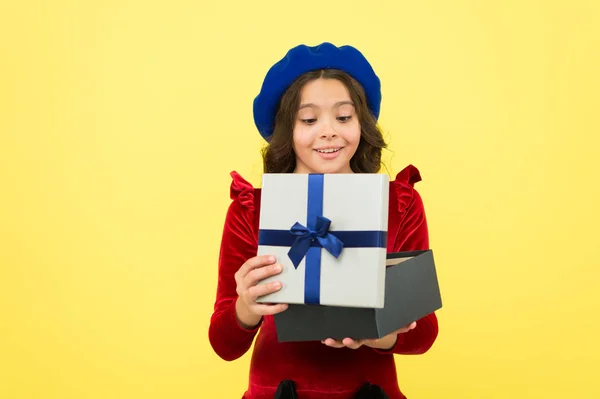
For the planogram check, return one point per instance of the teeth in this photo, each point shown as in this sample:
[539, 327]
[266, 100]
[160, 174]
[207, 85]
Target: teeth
[329, 150]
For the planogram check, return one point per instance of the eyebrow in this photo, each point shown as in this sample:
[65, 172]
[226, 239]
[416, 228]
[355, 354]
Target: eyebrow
[338, 104]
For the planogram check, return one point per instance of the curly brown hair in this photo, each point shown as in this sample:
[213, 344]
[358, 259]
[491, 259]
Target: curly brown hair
[278, 155]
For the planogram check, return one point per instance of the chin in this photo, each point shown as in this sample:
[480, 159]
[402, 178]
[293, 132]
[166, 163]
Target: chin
[330, 169]
[314, 164]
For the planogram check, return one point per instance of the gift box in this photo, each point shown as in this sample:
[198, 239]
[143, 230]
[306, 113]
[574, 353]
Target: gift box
[411, 292]
[329, 233]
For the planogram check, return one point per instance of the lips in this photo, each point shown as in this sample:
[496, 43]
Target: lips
[328, 150]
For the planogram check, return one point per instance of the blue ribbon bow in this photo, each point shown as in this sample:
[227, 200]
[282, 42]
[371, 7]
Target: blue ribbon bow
[306, 237]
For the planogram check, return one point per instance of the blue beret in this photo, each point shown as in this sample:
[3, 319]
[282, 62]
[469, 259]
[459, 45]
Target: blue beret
[302, 59]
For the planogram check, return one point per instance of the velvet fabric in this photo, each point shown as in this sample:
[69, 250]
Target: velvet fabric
[316, 370]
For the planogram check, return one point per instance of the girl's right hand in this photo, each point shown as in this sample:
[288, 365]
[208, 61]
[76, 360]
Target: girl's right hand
[248, 311]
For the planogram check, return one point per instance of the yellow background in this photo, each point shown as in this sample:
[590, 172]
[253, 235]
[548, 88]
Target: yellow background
[120, 121]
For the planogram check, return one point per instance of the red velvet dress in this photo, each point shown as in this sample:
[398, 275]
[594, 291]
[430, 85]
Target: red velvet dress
[318, 371]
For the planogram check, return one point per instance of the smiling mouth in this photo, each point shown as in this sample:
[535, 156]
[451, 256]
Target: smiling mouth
[328, 150]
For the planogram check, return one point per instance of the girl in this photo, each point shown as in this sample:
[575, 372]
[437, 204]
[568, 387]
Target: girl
[317, 109]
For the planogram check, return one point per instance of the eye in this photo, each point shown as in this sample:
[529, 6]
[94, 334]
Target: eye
[344, 118]
[309, 121]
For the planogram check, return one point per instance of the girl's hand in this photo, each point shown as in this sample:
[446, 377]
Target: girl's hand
[250, 313]
[383, 343]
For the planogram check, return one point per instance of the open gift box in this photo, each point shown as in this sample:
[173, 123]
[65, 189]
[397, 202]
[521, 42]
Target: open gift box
[411, 292]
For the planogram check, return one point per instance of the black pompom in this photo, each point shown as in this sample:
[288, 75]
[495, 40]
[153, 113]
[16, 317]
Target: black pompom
[286, 390]
[370, 391]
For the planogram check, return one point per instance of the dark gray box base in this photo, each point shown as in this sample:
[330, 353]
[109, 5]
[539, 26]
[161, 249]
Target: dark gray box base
[411, 292]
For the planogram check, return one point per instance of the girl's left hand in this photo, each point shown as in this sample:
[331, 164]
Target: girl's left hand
[383, 343]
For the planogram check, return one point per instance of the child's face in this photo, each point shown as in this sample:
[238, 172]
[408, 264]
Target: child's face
[327, 130]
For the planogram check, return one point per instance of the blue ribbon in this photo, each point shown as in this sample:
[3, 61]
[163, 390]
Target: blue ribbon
[307, 241]
[306, 237]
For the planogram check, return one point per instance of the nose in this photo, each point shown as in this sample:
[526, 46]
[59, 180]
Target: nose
[328, 131]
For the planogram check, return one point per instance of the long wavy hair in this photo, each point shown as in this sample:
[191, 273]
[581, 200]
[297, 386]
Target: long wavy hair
[279, 156]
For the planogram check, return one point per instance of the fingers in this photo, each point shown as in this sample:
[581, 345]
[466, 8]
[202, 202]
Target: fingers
[261, 273]
[407, 328]
[262, 289]
[247, 278]
[333, 343]
[352, 344]
[243, 282]
[375, 343]
[269, 310]
[255, 262]
[345, 343]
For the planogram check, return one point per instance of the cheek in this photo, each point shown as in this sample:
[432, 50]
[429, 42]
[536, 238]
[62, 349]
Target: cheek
[353, 134]
[302, 138]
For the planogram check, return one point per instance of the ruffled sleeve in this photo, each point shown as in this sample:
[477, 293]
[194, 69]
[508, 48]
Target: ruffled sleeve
[238, 244]
[242, 191]
[407, 230]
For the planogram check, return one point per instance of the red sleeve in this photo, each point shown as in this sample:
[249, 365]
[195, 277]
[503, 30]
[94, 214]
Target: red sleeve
[412, 235]
[228, 339]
